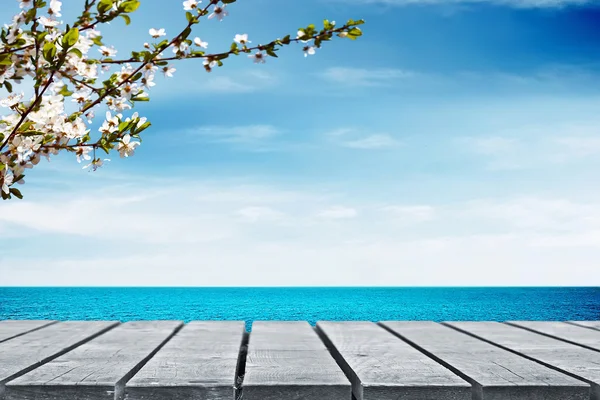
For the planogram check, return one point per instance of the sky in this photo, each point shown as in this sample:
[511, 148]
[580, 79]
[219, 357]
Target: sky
[456, 143]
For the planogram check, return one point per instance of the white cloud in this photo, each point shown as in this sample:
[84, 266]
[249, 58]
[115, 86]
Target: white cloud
[493, 144]
[411, 214]
[220, 82]
[377, 141]
[338, 212]
[256, 214]
[580, 146]
[508, 3]
[537, 214]
[536, 146]
[223, 233]
[225, 84]
[365, 77]
[358, 139]
[234, 134]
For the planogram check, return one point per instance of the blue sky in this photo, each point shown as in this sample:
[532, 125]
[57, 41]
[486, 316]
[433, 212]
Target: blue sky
[455, 143]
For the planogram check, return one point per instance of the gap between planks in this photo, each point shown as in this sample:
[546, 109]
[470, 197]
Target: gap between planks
[120, 386]
[595, 389]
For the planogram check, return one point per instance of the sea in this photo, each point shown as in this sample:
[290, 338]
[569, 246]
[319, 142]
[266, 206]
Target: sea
[310, 304]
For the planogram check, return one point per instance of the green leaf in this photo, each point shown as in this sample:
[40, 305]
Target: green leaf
[354, 33]
[40, 36]
[143, 127]
[124, 125]
[104, 6]
[8, 86]
[70, 37]
[65, 91]
[77, 52]
[126, 18]
[129, 6]
[228, 1]
[189, 16]
[16, 192]
[5, 59]
[1, 139]
[49, 51]
[186, 32]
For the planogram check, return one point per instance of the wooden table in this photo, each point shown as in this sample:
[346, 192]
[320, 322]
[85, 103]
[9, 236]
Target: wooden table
[292, 360]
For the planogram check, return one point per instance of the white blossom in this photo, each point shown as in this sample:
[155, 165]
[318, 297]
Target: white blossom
[95, 164]
[210, 62]
[82, 153]
[309, 50]
[11, 100]
[148, 81]
[55, 6]
[126, 147]
[259, 57]
[156, 33]
[82, 95]
[7, 180]
[90, 116]
[19, 19]
[75, 129]
[108, 52]
[241, 39]
[180, 47]
[219, 12]
[92, 33]
[168, 71]
[47, 22]
[6, 74]
[111, 124]
[26, 145]
[25, 3]
[198, 42]
[190, 5]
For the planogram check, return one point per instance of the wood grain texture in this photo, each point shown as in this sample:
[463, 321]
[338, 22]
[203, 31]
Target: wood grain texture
[24, 353]
[97, 369]
[496, 374]
[287, 360]
[12, 328]
[578, 335]
[565, 357]
[198, 363]
[383, 367]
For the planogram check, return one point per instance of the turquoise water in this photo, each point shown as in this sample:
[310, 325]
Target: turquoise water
[311, 304]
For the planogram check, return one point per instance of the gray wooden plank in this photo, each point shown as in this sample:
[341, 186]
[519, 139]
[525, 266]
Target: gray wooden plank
[23, 353]
[588, 338]
[199, 362]
[586, 324]
[496, 374]
[287, 360]
[381, 366]
[565, 357]
[12, 328]
[97, 369]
